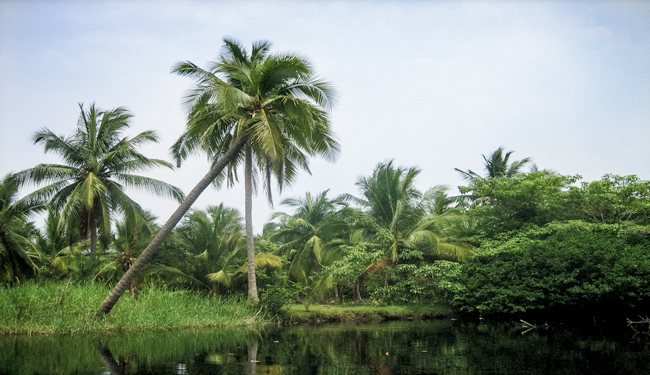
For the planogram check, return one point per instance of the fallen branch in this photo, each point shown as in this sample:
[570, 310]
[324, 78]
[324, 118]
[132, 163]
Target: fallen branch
[641, 326]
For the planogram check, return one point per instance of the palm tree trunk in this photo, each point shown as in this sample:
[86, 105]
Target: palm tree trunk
[250, 244]
[251, 364]
[150, 250]
[92, 231]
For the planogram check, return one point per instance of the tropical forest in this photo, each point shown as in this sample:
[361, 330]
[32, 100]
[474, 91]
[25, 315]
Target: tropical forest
[516, 243]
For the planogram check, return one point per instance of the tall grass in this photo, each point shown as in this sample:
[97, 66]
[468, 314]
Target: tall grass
[68, 308]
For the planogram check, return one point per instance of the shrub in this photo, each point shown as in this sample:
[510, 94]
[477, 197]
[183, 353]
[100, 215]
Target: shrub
[573, 266]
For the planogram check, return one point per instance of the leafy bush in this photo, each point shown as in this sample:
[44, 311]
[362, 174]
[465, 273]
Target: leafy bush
[572, 266]
[275, 297]
[409, 283]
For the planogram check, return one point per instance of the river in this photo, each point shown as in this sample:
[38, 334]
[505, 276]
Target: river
[432, 347]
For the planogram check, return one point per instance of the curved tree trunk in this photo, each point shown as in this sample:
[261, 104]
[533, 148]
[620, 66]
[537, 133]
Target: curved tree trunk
[250, 244]
[149, 251]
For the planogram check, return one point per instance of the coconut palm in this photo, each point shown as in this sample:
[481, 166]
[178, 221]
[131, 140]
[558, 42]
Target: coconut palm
[310, 232]
[99, 165]
[54, 244]
[396, 215]
[132, 234]
[276, 101]
[215, 250]
[223, 118]
[497, 165]
[17, 252]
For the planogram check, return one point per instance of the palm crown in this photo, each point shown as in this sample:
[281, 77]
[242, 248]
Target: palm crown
[99, 164]
[275, 101]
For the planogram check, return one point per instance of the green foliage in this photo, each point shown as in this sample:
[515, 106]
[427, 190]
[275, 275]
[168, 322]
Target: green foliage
[65, 307]
[506, 204]
[346, 273]
[309, 238]
[419, 284]
[612, 199]
[100, 163]
[601, 268]
[496, 165]
[17, 251]
[275, 297]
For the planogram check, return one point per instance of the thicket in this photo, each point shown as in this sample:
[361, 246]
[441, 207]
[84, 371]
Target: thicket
[573, 267]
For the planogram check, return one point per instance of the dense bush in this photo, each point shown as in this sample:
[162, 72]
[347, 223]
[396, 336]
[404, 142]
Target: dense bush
[410, 283]
[561, 267]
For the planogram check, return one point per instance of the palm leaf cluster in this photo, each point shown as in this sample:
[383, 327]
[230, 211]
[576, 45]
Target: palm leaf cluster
[99, 163]
[17, 251]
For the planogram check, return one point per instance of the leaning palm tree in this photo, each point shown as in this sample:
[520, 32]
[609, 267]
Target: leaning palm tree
[277, 100]
[497, 165]
[17, 252]
[223, 118]
[99, 164]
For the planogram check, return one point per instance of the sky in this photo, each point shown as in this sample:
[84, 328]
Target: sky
[428, 84]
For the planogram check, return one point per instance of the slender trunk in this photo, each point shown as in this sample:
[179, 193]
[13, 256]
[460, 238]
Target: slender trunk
[250, 244]
[92, 231]
[336, 294]
[150, 250]
[251, 359]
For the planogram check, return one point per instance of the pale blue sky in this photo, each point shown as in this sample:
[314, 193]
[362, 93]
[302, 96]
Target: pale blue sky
[429, 84]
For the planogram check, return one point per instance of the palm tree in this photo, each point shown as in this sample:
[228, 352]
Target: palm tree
[217, 123]
[497, 165]
[214, 244]
[17, 251]
[313, 229]
[277, 101]
[99, 164]
[132, 234]
[396, 215]
[54, 244]
[213, 237]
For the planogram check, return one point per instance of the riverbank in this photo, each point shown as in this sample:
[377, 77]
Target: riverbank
[64, 308]
[317, 314]
[67, 308]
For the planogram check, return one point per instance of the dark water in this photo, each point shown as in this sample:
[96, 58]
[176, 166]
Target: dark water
[437, 347]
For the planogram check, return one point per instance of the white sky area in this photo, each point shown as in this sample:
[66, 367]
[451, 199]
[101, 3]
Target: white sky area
[429, 84]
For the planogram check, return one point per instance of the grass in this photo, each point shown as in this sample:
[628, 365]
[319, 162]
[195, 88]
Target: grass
[356, 313]
[67, 308]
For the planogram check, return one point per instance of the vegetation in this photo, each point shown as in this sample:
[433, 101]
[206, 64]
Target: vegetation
[277, 101]
[513, 242]
[56, 308]
[100, 163]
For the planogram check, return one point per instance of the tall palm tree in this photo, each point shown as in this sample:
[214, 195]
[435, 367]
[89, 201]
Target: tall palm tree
[99, 164]
[277, 101]
[217, 123]
[313, 229]
[497, 165]
[17, 252]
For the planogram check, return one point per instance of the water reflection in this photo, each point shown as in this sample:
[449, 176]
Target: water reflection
[439, 347]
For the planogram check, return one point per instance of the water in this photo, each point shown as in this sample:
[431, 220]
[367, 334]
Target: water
[436, 347]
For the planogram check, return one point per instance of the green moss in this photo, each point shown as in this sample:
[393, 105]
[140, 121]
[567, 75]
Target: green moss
[67, 308]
